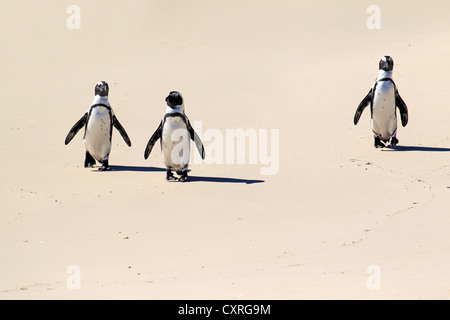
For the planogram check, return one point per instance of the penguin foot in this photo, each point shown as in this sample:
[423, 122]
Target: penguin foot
[169, 175]
[378, 143]
[89, 161]
[105, 166]
[394, 141]
[183, 177]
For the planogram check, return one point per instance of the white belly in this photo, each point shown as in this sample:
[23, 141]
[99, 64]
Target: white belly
[384, 120]
[175, 144]
[97, 138]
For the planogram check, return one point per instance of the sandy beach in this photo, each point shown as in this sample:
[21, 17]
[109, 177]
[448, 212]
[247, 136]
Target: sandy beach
[313, 210]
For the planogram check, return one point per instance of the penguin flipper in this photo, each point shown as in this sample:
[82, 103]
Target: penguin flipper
[156, 135]
[197, 140]
[363, 104]
[401, 105]
[76, 127]
[121, 130]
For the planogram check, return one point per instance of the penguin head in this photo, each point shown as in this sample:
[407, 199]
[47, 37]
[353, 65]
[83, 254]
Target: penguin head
[174, 99]
[102, 89]
[386, 63]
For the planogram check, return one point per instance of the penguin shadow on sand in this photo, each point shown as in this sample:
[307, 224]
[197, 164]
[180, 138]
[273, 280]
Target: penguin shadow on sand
[415, 148]
[222, 180]
[120, 168]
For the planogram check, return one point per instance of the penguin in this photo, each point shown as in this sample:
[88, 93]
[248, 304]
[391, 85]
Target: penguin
[98, 122]
[383, 98]
[175, 132]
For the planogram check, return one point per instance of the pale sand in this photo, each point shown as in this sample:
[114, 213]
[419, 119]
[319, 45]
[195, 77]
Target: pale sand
[336, 206]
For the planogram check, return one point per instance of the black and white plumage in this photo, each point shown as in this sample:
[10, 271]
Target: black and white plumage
[175, 132]
[98, 123]
[383, 99]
